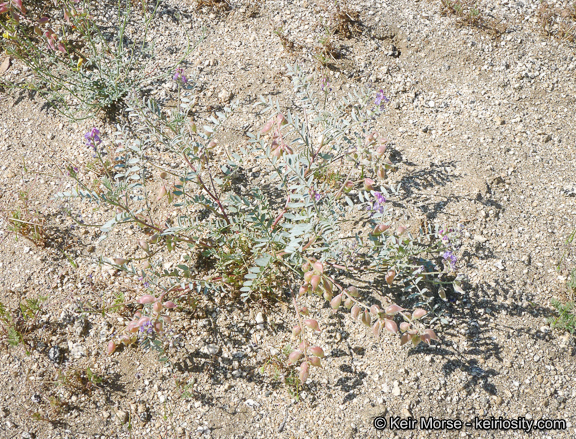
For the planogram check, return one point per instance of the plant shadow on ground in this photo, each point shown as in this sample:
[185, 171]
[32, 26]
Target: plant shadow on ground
[437, 174]
[483, 344]
[54, 408]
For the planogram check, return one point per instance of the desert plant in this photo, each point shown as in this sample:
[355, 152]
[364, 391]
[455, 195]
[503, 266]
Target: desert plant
[79, 70]
[469, 14]
[317, 173]
[16, 325]
[23, 221]
[343, 20]
[217, 5]
[566, 319]
[289, 45]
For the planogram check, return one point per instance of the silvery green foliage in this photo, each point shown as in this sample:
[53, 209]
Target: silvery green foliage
[98, 76]
[311, 207]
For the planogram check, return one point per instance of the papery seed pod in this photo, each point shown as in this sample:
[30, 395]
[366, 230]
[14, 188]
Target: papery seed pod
[425, 338]
[304, 311]
[381, 173]
[405, 339]
[327, 285]
[418, 313]
[391, 326]
[296, 330]
[147, 298]
[167, 320]
[416, 340]
[431, 333]
[315, 281]
[380, 150]
[369, 184]
[390, 277]
[120, 261]
[376, 328]
[348, 303]
[370, 138]
[355, 312]
[143, 320]
[144, 245]
[404, 326]
[318, 267]
[352, 291]
[158, 326]
[394, 309]
[374, 310]
[348, 186]
[304, 373]
[212, 144]
[267, 127]
[157, 307]
[294, 356]
[317, 351]
[163, 175]
[125, 339]
[303, 346]
[308, 276]
[335, 303]
[312, 324]
[327, 296]
[146, 264]
[169, 304]
[137, 314]
[281, 119]
[315, 361]
[383, 227]
[366, 318]
[161, 193]
[400, 230]
[111, 347]
[132, 326]
[154, 238]
[303, 290]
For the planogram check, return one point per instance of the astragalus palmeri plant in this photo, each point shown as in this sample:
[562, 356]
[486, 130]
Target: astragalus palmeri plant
[291, 213]
[80, 68]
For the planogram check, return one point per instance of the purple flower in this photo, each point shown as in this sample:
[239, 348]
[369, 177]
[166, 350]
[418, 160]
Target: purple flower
[180, 77]
[379, 197]
[317, 196]
[451, 258]
[378, 204]
[381, 99]
[147, 328]
[93, 138]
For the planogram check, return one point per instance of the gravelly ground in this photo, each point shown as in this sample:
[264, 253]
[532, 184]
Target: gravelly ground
[483, 130]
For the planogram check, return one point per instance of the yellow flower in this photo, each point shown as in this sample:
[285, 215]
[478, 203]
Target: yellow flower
[80, 62]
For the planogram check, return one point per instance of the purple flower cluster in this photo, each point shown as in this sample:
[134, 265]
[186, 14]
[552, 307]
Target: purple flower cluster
[378, 204]
[451, 258]
[147, 328]
[180, 77]
[381, 99]
[92, 138]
